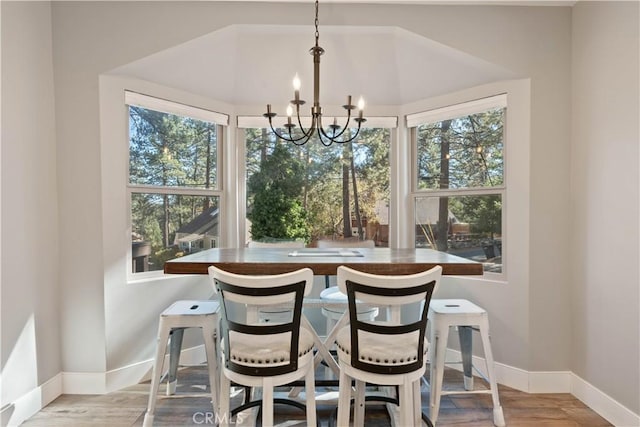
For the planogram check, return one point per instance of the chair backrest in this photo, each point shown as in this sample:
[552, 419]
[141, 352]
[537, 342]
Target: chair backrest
[253, 292]
[395, 292]
[294, 244]
[348, 243]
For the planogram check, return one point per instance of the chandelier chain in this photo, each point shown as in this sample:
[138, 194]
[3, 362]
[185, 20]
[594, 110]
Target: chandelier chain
[317, 23]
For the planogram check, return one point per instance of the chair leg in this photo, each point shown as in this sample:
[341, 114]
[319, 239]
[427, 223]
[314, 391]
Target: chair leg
[498, 415]
[224, 415]
[358, 406]
[310, 391]
[175, 347]
[417, 404]
[208, 332]
[161, 347]
[267, 402]
[405, 392]
[465, 333]
[344, 399]
[437, 371]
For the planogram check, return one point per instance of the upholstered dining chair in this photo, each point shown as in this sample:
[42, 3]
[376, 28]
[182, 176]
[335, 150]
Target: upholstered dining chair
[258, 354]
[384, 352]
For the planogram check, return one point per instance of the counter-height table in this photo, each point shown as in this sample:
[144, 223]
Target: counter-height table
[321, 261]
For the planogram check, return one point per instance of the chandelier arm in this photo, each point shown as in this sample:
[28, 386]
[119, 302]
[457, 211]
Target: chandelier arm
[344, 128]
[279, 135]
[290, 138]
[334, 139]
[309, 132]
[306, 134]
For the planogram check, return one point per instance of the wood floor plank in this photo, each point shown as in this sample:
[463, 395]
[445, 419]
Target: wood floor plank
[126, 408]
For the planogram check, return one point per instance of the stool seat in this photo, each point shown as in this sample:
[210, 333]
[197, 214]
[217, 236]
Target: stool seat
[173, 321]
[191, 308]
[467, 317]
[333, 294]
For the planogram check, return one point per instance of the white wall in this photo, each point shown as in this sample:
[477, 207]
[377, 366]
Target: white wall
[30, 286]
[604, 188]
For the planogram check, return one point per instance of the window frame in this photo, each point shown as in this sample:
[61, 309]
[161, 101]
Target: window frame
[450, 112]
[243, 122]
[176, 108]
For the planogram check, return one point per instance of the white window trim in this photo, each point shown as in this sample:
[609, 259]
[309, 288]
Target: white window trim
[170, 107]
[456, 110]
[459, 109]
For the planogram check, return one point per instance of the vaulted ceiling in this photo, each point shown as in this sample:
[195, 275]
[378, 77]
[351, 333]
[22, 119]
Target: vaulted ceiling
[254, 65]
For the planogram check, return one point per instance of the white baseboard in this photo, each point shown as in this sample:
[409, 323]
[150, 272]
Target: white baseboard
[126, 376]
[605, 406]
[554, 382]
[29, 404]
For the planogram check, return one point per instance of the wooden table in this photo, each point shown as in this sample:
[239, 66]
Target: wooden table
[322, 261]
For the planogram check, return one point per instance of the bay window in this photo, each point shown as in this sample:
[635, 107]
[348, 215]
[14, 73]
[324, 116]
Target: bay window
[458, 181]
[174, 180]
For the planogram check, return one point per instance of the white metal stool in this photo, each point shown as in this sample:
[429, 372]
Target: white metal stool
[443, 314]
[173, 321]
[333, 294]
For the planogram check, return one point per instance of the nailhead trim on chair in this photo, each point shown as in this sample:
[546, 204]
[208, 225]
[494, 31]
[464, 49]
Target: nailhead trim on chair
[401, 361]
[267, 362]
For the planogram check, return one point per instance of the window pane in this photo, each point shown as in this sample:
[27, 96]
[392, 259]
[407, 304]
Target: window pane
[463, 152]
[169, 150]
[306, 192]
[466, 226]
[166, 226]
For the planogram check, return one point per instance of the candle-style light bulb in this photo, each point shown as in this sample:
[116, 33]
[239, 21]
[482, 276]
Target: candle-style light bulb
[289, 110]
[296, 82]
[360, 107]
[296, 88]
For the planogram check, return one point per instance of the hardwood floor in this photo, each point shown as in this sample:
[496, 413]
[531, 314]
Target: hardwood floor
[126, 408]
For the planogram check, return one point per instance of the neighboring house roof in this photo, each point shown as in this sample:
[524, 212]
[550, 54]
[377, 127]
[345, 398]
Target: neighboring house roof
[206, 222]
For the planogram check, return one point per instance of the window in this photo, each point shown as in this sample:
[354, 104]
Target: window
[459, 184]
[173, 180]
[314, 192]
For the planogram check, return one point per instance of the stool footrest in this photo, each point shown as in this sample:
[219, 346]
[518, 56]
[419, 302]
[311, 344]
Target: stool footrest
[449, 392]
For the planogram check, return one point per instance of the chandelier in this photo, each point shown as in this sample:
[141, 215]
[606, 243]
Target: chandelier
[334, 132]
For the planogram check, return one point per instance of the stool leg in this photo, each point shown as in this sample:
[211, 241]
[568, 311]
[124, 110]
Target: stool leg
[437, 369]
[161, 347]
[328, 373]
[175, 347]
[208, 332]
[498, 415]
[466, 344]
